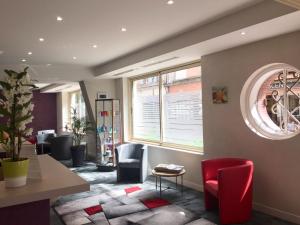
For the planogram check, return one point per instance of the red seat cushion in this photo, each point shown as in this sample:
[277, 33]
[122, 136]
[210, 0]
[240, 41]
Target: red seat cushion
[212, 187]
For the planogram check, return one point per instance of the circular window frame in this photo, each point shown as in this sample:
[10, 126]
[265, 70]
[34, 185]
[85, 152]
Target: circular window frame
[248, 99]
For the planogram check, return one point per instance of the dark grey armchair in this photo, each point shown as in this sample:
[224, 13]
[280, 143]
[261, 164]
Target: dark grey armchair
[132, 159]
[61, 147]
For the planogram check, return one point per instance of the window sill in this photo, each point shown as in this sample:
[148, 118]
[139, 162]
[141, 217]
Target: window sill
[189, 151]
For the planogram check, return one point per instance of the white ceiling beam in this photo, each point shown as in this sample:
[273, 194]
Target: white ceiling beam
[293, 3]
[256, 14]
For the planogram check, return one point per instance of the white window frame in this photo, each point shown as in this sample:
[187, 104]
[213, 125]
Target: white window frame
[159, 73]
[248, 102]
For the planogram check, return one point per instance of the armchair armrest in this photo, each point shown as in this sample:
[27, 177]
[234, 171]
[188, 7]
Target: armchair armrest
[210, 167]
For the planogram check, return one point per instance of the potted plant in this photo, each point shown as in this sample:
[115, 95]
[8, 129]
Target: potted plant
[16, 106]
[79, 127]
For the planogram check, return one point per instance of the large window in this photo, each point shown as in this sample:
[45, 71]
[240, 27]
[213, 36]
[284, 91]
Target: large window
[77, 102]
[167, 108]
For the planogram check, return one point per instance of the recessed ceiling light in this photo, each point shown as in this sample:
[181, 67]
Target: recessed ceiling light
[41, 39]
[1, 52]
[29, 53]
[170, 2]
[123, 29]
[74, 57]
[59, 18]
[23, 60]
[48, 64]
[243, 33]
[95, 46]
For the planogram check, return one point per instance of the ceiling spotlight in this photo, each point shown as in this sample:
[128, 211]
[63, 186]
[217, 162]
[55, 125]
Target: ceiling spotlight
[48, 64]
[170, 2]
[23, 60]
[1, 52]
[243, 33]
[41, 39]
[123, 29]
[95, 46]
[29, 53]
[59, 18]
[74, 57]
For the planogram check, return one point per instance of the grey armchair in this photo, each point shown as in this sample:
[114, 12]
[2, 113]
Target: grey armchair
[131, 157]
[61, 147]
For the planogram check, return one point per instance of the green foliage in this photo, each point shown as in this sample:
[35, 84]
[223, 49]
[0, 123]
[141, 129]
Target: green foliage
[79, 127]
[16, 106]
[5, 85]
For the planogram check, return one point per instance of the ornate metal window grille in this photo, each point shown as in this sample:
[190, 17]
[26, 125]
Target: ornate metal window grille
[288, 80]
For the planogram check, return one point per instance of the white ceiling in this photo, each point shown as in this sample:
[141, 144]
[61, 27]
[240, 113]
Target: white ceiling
[88, 22]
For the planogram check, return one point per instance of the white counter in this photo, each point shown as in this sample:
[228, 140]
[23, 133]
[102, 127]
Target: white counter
[57, 181]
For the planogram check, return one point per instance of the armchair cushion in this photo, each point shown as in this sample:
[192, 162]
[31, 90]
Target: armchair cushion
[129, 163]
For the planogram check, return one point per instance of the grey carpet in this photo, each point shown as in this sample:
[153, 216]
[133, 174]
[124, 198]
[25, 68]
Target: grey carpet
[192, 201]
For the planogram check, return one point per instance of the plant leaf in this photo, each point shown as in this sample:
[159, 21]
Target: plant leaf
[9, 72]
[21, 75]
[26, 104]
[23, 118]
[29, 85]
[5, 85]
[2, 97]
[4, 112]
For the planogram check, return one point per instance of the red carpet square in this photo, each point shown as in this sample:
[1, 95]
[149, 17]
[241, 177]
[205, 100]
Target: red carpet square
[132, 189]
[93, 210]
[155, 203]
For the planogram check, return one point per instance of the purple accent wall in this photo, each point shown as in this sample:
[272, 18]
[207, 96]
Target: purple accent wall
[44, 112]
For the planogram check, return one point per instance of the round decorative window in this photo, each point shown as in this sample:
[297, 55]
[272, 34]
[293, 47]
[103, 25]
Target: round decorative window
[270, 101]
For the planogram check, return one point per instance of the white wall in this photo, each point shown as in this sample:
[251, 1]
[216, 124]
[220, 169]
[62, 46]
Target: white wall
[277, 165]
[96, 85]
[122, 93]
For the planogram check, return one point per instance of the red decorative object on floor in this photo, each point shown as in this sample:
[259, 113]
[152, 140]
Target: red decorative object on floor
[132, 189]
[228, 185]
[93, 210]
[155, 203]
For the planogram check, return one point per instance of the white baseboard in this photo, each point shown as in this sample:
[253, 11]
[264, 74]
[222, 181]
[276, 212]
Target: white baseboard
[277, 213]
[195, 186]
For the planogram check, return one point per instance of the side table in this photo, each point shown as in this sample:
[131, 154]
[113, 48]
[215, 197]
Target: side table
[159, 175]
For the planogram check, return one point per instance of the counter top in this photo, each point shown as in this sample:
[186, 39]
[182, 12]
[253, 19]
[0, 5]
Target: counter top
[57, 181]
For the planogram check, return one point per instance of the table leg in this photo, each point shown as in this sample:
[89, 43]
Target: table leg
[159, 186]
[176, 182]
[181, 184]
[156, 182]
[42, 149]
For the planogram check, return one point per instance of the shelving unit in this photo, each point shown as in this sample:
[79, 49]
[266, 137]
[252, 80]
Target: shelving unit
[108, 120]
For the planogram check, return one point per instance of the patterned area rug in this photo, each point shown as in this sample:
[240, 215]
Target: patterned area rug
[132, 205]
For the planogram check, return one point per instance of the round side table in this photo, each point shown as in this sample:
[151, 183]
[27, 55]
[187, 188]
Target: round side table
[159, 175]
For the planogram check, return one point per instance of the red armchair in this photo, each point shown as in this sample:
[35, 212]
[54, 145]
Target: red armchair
[228, 184]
